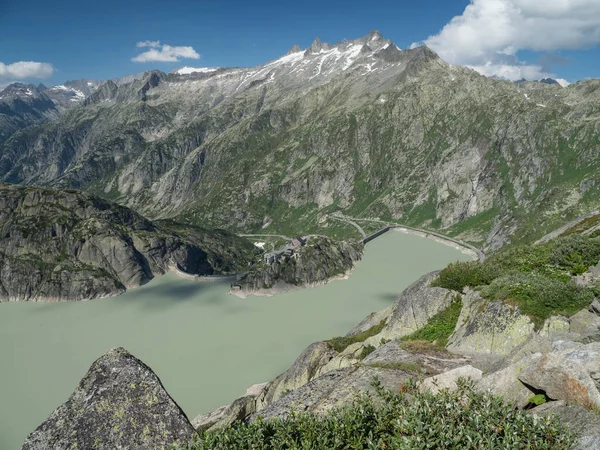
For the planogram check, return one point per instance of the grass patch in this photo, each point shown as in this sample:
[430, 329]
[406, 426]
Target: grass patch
[538, 296]
[536, 278]
[404, 366]
[424, 348]
[366, 351]
[339, 344]
[464, 419]
[439, 328]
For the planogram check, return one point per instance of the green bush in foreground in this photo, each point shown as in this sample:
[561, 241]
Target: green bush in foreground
[464, 420]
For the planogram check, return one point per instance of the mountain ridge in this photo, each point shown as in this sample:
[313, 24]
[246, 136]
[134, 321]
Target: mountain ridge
[360, 126]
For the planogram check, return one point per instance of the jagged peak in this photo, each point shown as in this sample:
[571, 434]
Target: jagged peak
[424, 52]
[295, 49]
[374, 35]
[317, 46]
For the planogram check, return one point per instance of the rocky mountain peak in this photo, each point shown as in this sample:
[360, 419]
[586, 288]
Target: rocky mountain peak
[295, 49]
[374, 35]
[318, 46]
[423, 52]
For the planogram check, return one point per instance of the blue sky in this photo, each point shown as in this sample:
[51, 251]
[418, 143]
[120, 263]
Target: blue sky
[84, 39]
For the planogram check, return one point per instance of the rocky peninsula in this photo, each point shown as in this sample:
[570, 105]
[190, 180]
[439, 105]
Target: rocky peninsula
[59, 245]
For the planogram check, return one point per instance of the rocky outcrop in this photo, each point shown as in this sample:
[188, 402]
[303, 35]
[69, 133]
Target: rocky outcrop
[60, 245]
[572, 374]
[414, 307]
[489, 327]
[119, 403]
[584, 423]
[333, 389]
[448, 380]
[315, 263]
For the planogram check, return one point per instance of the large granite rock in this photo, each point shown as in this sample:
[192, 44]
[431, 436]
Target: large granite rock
[306, 367]
[119, 404]
[430, 361]
[489, 327]
[414, 307]
[334, 389]
[584, 423]
[570, 374]
[448, 380]
[506, 384]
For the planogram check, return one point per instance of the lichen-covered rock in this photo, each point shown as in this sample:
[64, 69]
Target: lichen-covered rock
[506, 384]
[418, 303]
[372, 320]
[305, 368]
[554, 327]
[585, 323]
[333, 389]
[584, 423]
[119, 404]
[567, 375]
[489, 327]
[447, 380]
[226, 415]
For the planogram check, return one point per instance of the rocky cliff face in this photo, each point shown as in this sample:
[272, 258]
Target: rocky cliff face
[359, 126]
[119, 403]
[318, 261]
[65, 245]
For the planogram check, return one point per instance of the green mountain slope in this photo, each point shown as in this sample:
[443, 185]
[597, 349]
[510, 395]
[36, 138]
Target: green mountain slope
[360, 127]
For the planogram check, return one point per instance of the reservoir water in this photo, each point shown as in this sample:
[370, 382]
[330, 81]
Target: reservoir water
[205, 345]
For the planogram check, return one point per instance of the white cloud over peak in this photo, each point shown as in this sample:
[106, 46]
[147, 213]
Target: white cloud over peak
[163, 52]
[489, 33]
[26, 69]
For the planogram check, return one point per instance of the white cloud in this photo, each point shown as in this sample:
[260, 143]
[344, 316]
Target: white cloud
[152, 44]
[26, 69]
[489, 33]
[163, 52]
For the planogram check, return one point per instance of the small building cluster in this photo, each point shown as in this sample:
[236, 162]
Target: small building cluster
[288, 250]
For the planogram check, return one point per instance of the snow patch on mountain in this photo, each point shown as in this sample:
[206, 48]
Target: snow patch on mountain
[189, 70]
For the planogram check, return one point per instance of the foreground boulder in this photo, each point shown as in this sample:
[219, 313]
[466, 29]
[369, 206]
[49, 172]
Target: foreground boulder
[119, 404]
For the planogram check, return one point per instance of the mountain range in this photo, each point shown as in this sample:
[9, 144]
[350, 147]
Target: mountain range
[360, 127]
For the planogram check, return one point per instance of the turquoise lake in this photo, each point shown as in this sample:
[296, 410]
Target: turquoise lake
[206, 346]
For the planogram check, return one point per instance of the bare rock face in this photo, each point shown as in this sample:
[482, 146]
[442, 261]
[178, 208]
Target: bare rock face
[416, 305]
[571, 374]
[489, 327]
[119, 404]
[447, 380]
[333, 389]
[58, 245]
[584, 423]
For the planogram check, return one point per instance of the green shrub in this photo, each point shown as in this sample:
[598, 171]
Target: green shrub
[538, 296]
[439, 328]
[464, 419]
[366, 351]
[538, 400]
[339, 344]
[461, 274]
